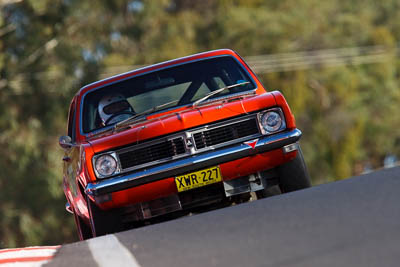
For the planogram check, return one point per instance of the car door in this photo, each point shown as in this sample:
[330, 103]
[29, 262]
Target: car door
[71, 159]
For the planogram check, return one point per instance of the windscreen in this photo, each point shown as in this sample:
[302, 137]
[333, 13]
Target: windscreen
[178, 85]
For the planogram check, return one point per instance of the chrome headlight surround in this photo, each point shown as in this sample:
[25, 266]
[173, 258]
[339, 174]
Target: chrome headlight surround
[106, 165]
[271, 121]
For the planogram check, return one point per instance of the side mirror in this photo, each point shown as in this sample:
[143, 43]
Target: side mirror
[65, 142]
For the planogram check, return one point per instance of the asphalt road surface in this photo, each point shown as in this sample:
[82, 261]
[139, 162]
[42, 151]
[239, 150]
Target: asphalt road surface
[354, 222]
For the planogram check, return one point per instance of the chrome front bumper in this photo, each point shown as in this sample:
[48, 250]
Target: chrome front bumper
[181, 166]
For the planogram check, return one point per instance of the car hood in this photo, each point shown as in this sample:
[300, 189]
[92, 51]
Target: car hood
[163, 124]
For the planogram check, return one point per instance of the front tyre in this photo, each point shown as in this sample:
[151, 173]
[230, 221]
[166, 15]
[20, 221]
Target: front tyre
[102, 222]
[293, 175]
[84, 231]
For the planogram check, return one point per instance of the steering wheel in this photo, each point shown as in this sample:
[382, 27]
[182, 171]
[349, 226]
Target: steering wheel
[119, 114]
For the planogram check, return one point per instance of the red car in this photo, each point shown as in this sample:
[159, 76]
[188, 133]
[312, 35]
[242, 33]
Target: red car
[192, 133]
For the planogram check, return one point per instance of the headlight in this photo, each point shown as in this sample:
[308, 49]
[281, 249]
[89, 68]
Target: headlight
[106, 165]
[271, 121]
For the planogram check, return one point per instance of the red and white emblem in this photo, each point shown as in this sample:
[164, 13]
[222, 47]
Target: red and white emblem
[252, 143]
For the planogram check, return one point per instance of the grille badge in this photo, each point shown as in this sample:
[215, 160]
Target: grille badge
[189, 143]
[252, 143]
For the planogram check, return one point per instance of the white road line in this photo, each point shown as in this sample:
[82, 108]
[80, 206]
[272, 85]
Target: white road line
[109, 251]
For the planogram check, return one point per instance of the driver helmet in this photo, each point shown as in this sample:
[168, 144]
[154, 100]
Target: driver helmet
[114, 108]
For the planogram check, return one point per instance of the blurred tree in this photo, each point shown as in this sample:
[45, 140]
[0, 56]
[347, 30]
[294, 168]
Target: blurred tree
[50, 48]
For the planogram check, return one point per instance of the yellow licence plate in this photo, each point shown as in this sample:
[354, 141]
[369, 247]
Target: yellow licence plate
[198, 179]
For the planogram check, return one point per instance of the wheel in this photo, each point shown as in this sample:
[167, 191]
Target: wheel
[84, 231]
[102, 222]
[293, 175]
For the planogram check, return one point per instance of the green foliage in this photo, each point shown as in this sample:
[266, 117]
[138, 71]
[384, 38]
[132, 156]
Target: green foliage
[48, 49]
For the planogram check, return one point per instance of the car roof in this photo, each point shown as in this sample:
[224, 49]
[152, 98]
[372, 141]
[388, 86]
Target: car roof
[153, 67]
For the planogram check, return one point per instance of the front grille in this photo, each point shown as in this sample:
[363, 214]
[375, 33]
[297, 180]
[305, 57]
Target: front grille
[159, 151]
[226, 133]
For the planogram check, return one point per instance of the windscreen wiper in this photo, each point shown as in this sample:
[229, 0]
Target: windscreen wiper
[217, 92]
[149, 111]
[100, 132]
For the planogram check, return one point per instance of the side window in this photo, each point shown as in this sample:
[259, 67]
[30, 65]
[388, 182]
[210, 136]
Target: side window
[71, 122]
